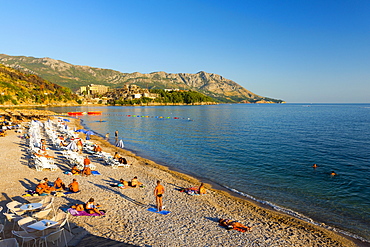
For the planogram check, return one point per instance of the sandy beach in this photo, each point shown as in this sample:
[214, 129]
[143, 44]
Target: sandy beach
[193, 220]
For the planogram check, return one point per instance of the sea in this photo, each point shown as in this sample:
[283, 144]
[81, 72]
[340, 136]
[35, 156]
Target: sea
[263, 152]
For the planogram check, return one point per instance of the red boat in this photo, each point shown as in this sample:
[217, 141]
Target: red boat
[94, 113]
[75, 113]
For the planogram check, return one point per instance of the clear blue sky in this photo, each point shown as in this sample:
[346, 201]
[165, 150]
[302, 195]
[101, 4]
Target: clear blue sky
[299, 51]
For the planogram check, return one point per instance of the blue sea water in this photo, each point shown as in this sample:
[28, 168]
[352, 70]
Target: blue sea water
[264, 152]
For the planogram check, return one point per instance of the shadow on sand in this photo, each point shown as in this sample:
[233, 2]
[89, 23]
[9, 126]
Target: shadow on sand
[95, 241]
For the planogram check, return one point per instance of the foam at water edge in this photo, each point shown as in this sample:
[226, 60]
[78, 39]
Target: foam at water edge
[298, 215]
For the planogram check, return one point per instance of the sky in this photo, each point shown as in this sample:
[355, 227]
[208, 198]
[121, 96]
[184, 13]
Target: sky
[300, 51]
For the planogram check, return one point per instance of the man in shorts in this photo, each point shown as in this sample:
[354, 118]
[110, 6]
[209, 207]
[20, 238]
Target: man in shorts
[158, 193]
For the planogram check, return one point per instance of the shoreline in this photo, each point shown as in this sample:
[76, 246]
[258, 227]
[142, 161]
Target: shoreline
[193, 221]
[236, 195]
[241, 195]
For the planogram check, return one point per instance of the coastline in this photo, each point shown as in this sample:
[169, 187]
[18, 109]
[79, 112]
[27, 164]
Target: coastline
[193, 218]
[261, 208]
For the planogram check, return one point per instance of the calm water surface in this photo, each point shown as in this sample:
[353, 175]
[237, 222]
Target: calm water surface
[262, 151]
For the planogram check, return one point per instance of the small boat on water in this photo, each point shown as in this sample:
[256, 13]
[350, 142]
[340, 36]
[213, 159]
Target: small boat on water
[76, 113]
[94, 113]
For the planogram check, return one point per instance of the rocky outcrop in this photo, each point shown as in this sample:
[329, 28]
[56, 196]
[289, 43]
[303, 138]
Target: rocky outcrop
[74, 76]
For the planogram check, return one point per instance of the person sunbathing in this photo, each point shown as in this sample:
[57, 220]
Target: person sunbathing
[91, 207]
[201, 189]
[229, 224]
[97, 149]
[43, 187]
[59, 185]
[75, 170]
[73, 187]
[122, 184]
[135, 182]
[79, 207]
[116, 156]
[123, 160]
[87, 170]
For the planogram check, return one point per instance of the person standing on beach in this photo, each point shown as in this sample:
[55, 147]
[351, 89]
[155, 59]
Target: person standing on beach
[158, 193]
[107, 136]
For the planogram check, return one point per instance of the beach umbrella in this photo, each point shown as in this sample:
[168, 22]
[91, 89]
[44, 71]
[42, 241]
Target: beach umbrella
[66, 120]
[120, 144]
[72, 146]
[81, 130]
[89, 133]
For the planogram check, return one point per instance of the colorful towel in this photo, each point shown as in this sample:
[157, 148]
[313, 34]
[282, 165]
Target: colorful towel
[74, 212]
[154, 210]
[95, 173]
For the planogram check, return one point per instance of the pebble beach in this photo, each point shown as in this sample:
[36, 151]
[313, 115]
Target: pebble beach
[193, 220]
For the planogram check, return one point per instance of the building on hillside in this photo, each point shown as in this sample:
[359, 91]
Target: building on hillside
[93, 89]
[129, 92]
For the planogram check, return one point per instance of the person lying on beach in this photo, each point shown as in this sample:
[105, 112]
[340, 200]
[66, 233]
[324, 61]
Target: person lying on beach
[230, 224]
[59, 185]
[135, 182]
[79, 207]
[91, 207]
[87, 170]
[122, 184]
[122, 160]
[43, 153]
[195, 190]
[75, 170]
[73, 187]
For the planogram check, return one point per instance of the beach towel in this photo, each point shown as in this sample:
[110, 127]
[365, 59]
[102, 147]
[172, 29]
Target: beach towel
[95, 173]
[154, 210]
[70, 192]
[193, 191]
[74, 212]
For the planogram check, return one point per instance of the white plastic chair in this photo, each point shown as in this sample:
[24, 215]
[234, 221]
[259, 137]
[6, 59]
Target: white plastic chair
[2, 230]
[12, 218]
[14, 207]
[9, 242]
[25, 236]
[52, 237]
[62, 219]
[25, 222]
[41, 214]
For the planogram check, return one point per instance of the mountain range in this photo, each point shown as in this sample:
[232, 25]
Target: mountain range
[74, 76]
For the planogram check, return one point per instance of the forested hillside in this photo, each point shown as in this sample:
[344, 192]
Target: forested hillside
[18, 88]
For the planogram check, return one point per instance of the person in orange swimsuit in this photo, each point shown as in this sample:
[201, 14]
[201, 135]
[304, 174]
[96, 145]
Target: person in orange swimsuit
[158, 193]
[229, 224]
[59, 185]
[73, 187]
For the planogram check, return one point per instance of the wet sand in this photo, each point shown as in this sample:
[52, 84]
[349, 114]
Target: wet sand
[192, 221]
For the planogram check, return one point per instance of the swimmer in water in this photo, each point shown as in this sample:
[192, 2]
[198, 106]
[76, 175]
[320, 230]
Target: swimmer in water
[314, 166]
[333, 173]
